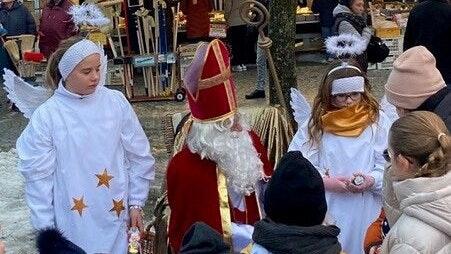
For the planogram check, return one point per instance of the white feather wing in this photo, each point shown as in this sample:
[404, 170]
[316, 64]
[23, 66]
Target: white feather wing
[300, 106]
[25, 96]
[103, 67]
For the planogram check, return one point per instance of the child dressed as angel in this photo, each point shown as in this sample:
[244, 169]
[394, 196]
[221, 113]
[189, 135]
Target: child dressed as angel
[344, 138]
[84, 154]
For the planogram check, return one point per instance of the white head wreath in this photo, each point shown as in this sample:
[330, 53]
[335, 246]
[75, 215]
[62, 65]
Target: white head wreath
[346, 46]
[88, 14]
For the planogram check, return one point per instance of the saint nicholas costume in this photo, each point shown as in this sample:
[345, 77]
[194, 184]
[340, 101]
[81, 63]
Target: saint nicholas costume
[197, 188]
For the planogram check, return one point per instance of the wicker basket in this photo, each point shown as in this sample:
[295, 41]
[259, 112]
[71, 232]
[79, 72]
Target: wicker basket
[155, 237]
[26, 69]
[147, 241]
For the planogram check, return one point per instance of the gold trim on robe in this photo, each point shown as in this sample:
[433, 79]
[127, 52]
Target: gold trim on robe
[224, 208]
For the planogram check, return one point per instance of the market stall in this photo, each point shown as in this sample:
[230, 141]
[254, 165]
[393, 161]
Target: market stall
[389, 21]
[308, 30]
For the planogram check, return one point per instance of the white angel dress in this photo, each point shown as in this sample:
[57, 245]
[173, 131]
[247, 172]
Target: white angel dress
[343, 156]
[85, 160]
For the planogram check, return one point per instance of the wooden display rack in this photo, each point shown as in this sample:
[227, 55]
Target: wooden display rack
[152, 91]
[155, 59]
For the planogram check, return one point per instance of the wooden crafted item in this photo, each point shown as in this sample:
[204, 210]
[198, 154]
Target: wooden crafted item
[272, 125]
[13, 51]
[27, 42]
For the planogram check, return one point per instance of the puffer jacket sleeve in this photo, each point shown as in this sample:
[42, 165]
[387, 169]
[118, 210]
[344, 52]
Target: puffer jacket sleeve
[347, 28]
[402, 248]
[390, 202]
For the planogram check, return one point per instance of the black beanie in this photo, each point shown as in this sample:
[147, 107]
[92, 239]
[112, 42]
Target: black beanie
[295, 193]
[346, 3]
[202, 239]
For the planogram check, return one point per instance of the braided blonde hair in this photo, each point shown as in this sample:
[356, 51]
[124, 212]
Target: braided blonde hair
[424, 137]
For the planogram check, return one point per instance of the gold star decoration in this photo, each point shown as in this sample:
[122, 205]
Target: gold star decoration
[104, 179]
[79, 205]
[118, 207]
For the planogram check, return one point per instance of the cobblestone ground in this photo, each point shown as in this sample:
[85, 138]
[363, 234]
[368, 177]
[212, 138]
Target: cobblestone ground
[150, 115]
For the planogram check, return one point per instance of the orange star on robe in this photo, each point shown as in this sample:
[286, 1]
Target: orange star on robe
[118, 207]
[104, 179]
[79, 205]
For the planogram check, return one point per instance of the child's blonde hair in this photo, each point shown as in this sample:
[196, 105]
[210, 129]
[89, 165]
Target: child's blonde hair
[423, 136]
[52, 73]
[323, 101]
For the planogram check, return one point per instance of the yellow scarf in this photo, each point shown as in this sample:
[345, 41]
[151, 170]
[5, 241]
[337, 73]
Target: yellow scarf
[347, 122]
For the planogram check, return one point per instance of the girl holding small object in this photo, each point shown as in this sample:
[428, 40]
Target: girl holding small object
[84, 154]
[344, 139]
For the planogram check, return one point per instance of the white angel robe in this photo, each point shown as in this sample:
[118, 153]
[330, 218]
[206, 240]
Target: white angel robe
[343, 156]
[85, 160]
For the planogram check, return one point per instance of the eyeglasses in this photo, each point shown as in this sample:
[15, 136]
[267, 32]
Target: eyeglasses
[386, 155]
[342, 97]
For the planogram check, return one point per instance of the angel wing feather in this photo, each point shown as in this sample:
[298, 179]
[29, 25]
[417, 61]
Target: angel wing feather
[300, 106]
[103, 68]
[25, 96]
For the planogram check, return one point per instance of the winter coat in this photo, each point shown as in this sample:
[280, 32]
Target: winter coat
[425, 223]
[429, 25]
[3, 31]
[232, 13]
[346, 22]
[197, 17]
[272, 238]
[440, 104]
[55, 25]
[325, 9]
[5, 60]
[17, 20]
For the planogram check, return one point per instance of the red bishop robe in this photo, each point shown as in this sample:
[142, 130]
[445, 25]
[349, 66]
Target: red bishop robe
[192, 185]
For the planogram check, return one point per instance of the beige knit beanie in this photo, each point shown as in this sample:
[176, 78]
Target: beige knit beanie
[414, 78]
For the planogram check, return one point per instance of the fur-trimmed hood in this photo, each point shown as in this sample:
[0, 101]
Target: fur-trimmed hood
[52, 241]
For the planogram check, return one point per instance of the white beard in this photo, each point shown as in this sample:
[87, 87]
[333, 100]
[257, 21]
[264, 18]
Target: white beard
[233, 152]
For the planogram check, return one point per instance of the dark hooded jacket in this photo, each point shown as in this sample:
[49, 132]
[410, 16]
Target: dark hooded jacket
[325, 9]
[429, 25]
[17, 20]
[347, 22]
[440, 104]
